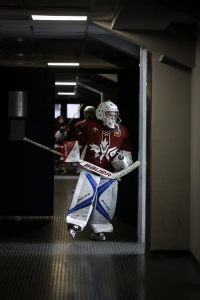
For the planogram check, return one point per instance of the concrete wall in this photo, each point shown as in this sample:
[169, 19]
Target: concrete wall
[174, 201]
[195, 158]
[170, 157]
[170, 138]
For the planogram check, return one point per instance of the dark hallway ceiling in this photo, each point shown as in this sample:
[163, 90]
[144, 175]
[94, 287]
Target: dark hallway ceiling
[93, 43]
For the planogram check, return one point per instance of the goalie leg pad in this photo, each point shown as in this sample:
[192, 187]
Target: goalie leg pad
[82, 201]
[104, 206]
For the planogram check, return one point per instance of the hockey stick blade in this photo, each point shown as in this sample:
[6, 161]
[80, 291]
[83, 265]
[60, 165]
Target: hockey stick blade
[125, 171]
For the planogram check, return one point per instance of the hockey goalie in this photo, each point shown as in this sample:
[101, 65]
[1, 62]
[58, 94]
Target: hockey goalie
[103, 143]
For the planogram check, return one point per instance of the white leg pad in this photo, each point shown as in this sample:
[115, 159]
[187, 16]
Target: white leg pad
[104, 207]
[83, 198]
[106, 227]
[75, 221]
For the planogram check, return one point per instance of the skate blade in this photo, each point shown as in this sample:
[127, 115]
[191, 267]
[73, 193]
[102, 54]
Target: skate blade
[97, 237]
[72, 232]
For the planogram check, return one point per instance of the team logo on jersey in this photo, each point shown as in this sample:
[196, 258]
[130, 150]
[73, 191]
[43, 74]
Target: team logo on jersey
[117, 133]
[95, 129]
[104, 150]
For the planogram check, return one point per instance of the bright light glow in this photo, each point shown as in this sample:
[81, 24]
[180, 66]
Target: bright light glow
[65, 93]
[72, 110]
[65, 83]
[63, 64]
[57, 111]
[59, 18]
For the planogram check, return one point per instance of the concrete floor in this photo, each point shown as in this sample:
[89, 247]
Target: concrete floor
[40, 261]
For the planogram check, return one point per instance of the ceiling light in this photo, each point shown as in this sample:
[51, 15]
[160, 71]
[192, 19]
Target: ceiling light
[63, 64]
[59, 18]
[65, 83]
[66, 93]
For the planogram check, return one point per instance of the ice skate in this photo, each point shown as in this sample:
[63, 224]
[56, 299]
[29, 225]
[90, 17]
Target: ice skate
[97, 236]
[63, 170]
[73, 229]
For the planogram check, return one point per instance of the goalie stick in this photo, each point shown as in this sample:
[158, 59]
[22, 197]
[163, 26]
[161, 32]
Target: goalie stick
[72, 155]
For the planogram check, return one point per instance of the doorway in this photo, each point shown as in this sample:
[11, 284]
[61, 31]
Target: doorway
[128, 90]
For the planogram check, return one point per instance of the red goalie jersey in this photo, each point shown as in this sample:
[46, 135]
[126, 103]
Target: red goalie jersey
[101, 144]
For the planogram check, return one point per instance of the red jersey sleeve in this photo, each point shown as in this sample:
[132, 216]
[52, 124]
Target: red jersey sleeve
[81, 135]
[126, 144]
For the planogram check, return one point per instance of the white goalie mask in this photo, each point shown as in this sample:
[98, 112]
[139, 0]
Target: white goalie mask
[102, 114]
